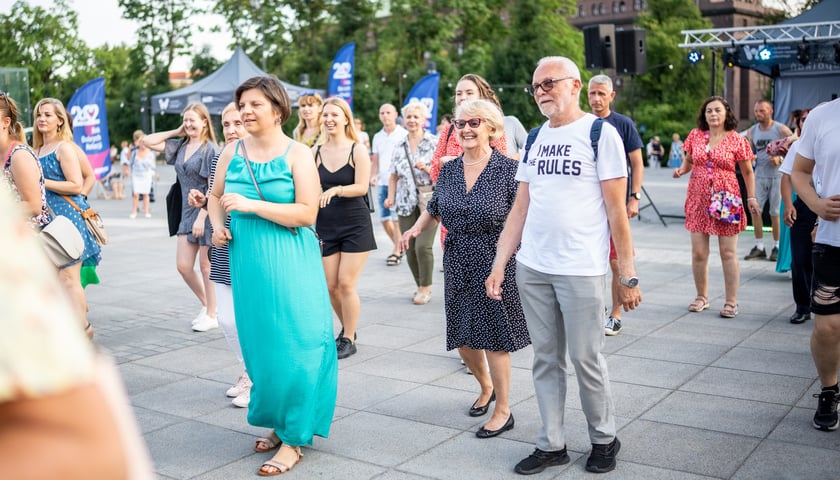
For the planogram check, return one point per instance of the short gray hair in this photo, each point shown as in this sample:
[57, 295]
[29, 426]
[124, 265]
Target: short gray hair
[419, 107]
[601, 80]
[487, 111]
[568, 65]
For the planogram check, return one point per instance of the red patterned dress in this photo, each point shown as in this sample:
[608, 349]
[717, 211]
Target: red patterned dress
[733, 148]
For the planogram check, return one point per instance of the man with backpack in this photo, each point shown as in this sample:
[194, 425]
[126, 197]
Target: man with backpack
[571, 197]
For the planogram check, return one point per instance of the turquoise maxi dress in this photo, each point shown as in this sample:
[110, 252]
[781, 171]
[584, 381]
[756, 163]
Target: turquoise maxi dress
[283, 312]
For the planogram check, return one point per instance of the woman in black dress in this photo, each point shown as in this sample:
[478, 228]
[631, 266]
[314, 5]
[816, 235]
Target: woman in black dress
[344, 219]
[473, 196]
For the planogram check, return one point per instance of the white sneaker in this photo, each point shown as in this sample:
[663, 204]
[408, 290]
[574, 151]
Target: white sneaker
[205, 323]
[201, 314]
[242, 400]
[243, 384]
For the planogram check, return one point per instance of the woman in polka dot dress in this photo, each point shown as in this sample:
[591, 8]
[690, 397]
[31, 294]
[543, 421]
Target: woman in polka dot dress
[52, 140]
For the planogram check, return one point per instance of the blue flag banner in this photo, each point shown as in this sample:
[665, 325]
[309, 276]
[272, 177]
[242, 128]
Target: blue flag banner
[90, 124]
[341, 73]
[426, 92]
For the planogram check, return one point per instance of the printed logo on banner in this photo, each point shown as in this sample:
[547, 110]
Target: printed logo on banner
[85, 116]
[163, 103]
[342, 70]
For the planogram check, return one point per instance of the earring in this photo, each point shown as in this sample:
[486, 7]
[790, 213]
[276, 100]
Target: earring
[278, 121]
[59, 129]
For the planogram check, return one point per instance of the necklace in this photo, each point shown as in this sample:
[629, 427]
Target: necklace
[470, 164]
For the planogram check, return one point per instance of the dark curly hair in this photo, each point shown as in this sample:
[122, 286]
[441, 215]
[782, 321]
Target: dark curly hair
[731, 123]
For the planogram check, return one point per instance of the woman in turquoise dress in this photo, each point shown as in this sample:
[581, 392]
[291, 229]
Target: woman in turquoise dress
[52, 139]
[269, 185]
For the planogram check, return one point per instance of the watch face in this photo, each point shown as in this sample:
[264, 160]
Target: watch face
[631, 282]
[636, 195]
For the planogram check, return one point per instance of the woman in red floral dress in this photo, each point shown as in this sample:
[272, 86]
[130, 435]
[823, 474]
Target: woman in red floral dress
[714, 147]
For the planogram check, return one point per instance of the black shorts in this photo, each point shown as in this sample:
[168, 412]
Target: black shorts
[825, 287]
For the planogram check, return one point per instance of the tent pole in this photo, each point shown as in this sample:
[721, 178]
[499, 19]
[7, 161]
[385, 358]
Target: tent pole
[713, 73]
[153, 124]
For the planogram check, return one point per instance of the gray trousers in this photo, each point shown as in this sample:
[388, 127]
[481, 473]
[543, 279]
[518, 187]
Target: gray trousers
[565, 314]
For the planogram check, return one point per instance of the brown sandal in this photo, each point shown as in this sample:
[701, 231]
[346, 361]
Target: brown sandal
[279, 467]
[699, 304]
[730, 310]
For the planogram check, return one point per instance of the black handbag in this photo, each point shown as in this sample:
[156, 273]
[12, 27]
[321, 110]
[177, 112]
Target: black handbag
[173, 207]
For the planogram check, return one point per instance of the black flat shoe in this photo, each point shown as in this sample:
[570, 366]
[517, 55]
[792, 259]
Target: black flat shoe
[798, 318]
[484, 433]
[482, 410]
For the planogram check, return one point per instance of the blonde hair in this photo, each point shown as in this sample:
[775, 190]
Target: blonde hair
[207, 133]
[230, 106]
[308, 99]
[487, 111]
[417, 106]
[349, 129]
[138, 134]
[65, 133]
[8, 108]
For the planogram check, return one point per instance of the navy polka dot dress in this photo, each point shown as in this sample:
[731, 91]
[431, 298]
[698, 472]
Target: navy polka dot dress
[59, 206]
[475, 220]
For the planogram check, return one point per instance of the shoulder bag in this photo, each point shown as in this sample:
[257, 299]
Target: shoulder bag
[424, 192]
[62, 241]
[93, 221]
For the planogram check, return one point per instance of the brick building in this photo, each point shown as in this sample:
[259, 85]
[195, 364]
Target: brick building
[742, 87]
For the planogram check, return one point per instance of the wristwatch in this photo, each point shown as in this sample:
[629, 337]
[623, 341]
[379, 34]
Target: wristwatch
[631, 282]
[636, 195]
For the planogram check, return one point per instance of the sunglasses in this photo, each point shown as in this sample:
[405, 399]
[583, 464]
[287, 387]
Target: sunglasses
[473, 123]
[546, 85]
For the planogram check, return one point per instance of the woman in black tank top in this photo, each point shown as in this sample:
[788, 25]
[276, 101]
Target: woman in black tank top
[343, 221]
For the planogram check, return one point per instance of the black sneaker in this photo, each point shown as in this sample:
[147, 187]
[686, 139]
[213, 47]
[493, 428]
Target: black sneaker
[345, 347]
[773, 254]
[826, 416]
[540, 460]
[602, 458]
[755, 254]
[341, 334]
[612, 327]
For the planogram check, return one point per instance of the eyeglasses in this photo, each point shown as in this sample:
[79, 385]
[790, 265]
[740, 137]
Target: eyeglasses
[546, 85]
[473, 123]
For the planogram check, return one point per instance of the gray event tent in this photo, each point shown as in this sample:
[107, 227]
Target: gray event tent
[215, 91]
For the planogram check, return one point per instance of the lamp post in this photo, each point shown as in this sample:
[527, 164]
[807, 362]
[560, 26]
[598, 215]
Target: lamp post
[256, 6]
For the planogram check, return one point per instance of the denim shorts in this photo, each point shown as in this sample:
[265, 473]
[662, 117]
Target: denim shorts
[384, 213]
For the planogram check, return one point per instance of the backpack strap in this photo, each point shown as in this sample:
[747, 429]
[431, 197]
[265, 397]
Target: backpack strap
[595, 135]
[532, 136]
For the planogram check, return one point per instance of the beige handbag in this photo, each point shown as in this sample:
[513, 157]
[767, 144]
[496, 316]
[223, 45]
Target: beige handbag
[62, 242]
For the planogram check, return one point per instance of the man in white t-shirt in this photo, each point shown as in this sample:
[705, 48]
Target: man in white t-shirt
[567, 205]
[382, 151]
[819, 151]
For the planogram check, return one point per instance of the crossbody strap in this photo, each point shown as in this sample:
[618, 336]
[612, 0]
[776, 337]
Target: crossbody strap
[411, 167]
[251, 170]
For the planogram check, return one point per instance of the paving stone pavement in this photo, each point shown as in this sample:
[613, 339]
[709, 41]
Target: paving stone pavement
[697, 396]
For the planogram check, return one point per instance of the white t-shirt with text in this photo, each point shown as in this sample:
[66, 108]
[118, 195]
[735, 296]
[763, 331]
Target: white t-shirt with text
[821, 143]
[566, 231]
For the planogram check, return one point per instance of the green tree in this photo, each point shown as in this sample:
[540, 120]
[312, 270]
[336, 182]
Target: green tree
[259, 31]
[538, 29]
[164, 28]
[667, 100]
[203, 64]
[47, 43]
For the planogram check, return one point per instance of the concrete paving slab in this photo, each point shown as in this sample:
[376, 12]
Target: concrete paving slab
[780, 363]
[724, 382]
[780, 460]
[721, 414]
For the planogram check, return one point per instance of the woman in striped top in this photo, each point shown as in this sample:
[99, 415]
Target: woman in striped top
[233, 129]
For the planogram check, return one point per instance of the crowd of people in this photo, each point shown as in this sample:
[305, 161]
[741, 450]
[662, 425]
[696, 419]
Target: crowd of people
[281, 229]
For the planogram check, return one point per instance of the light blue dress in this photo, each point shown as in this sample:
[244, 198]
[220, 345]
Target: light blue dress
[283, 312]
[52, 171]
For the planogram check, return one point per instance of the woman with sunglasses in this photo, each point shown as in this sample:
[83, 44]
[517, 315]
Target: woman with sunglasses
[473, 197]
[308, 129]
[711, 152]
[52, 139]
